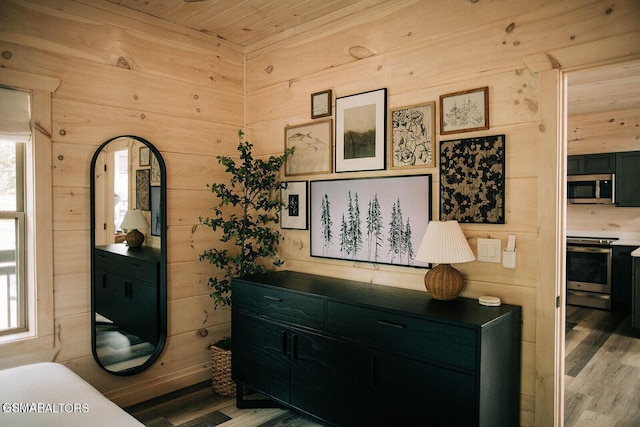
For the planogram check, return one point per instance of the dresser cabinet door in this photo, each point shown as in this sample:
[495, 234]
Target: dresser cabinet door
[423, 394]
[260, 355]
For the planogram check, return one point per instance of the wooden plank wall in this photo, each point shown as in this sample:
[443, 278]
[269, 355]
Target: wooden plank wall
[123, 73]
[418, 51]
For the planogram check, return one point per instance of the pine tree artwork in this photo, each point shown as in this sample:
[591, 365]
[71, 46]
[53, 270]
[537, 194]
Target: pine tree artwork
[381, 220]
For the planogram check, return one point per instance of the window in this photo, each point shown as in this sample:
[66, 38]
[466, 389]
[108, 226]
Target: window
[14, 135]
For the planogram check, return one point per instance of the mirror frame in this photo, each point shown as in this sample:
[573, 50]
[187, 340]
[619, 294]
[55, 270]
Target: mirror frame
[162, 285]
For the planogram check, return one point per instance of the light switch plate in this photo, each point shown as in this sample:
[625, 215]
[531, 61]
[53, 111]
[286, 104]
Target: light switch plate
[489, 250]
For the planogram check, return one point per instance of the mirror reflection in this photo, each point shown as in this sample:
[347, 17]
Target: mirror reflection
[128, 296]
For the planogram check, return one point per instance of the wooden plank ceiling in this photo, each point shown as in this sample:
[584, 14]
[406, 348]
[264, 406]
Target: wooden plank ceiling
[256, 22]
[245, 22]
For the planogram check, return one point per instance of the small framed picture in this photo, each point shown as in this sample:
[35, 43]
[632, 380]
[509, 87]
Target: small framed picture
[313, 148]
[464, 111]
[361, 122]
[144, 156]
[293, 214]
[321, 104]
[412, 136]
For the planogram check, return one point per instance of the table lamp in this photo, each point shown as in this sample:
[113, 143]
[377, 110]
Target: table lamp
[134, 220]
[444, 243]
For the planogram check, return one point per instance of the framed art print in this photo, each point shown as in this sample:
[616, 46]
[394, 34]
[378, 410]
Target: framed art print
[142, 189]
[380, 220]
[144, 156]
[321, 104]
[464, 111]
[293, 214]
[472, 180]
[313, 144]
[156, 217]
[361, 131]
[413, 136]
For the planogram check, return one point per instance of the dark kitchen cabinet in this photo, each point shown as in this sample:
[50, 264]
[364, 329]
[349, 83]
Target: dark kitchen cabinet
[357, 354]
[126, 288]
[635, 308]
[628, 178]
[586, 164]
[621, 280]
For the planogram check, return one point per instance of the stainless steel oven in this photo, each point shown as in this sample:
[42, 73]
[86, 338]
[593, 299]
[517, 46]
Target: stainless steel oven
[589, 262]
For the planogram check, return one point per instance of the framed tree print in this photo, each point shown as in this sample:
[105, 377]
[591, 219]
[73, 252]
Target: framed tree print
[472, 180]
[380, 220]
[361, 131]
[464, 111]
[412, 136]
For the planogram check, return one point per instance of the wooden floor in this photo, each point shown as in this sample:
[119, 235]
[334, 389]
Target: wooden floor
[602, 369]
[200, 406]
[602, 384]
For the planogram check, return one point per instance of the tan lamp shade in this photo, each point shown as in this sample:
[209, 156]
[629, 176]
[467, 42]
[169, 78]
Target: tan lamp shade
[443, 244]
[132, 222]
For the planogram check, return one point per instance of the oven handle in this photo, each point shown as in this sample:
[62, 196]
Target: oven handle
[589, 249]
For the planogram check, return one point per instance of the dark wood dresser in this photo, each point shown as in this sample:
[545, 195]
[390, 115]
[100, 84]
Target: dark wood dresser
[126, 288]
[357, 354]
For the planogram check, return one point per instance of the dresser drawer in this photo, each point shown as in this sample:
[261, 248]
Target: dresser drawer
[132, 267]
[440, 342]
[303, 310]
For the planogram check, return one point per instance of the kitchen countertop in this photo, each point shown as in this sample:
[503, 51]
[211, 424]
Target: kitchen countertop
[625, 238]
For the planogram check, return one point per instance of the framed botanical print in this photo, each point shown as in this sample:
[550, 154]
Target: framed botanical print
[361, 131]
[464, 111]
[142, 189]
[472, 180]
[412, 136]
[293, 214]
[321, 104]
[313, 148]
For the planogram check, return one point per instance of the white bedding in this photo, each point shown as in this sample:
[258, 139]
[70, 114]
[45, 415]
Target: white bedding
[50, 394]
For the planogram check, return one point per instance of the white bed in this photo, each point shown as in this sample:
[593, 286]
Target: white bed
[50, 394]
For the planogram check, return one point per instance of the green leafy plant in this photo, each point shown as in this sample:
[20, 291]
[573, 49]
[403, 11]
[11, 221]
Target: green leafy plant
[251, 205]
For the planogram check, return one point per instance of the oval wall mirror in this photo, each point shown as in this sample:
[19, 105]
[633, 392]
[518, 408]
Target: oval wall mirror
[128, 255]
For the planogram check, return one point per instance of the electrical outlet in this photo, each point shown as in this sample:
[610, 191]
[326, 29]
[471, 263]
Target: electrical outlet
[489, 250]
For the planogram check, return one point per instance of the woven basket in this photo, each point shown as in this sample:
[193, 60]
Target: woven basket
[221, 372]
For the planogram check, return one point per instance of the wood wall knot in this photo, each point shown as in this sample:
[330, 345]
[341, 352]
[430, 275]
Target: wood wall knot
[269, 69]
[6, 54]
[122, 62]
[360, 52]
[510, 27]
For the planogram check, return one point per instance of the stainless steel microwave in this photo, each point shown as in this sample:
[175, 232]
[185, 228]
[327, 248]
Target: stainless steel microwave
[591, 188]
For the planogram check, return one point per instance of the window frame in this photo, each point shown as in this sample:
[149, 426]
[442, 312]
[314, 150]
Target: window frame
[19, 217]
[40, 334]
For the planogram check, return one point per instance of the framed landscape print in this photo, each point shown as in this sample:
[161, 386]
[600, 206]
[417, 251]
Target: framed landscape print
[472, 180]
[412, 136]
[380, 220]
[361, 131]
[313, 144]
[464, 111]
[293, 214]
